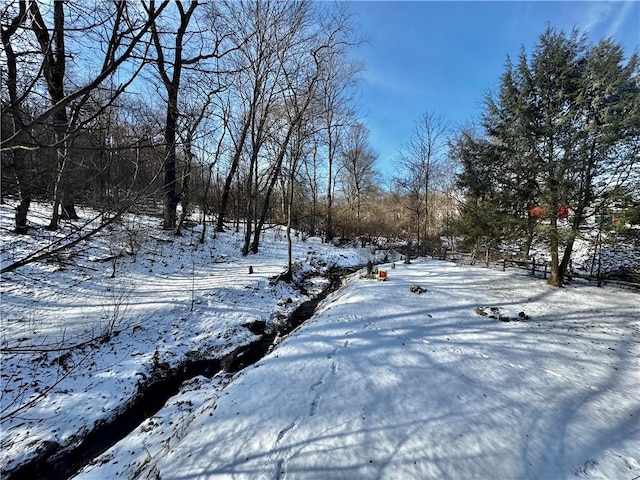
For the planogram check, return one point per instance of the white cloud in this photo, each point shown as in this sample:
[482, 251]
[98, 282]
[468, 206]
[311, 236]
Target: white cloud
[390, 81]
[606, 18]
[619, 17]
[596, 14]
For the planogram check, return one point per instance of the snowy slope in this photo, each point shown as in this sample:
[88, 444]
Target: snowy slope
[386, 383]
[174, 299]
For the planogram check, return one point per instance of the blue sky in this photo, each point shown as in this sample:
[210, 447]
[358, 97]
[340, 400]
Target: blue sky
[444, 56]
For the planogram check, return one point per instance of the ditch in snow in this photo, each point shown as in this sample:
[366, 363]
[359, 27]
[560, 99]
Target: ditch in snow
[54, 462]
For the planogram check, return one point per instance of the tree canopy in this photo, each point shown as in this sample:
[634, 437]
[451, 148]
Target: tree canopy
[563, 131]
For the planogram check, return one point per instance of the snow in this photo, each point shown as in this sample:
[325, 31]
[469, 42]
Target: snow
[382, 382]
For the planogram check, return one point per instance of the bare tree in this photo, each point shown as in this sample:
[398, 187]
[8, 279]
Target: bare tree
[170, 61]
[301, 67]
[273, 33]
[420, 164]
[312, 179]
[221, 130]
[255, 28]
[192, 121]
[16, 117]
[296, 153]
[125, 32]
[338, 80]
[358, 172]
[54, 66]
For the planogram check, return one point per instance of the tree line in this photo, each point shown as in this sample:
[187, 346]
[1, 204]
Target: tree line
[245, 113]
[239, 108]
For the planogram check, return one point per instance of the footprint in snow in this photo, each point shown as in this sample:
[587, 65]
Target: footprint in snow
[281, 469]
[281, 463]
[330, 355]
[284, 432]
[313, 410]
[318, 383]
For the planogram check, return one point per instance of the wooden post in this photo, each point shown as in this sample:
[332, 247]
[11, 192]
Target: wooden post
[600, 271]
[486, 257]
[546, 265]
[533, 266]
[504, 264]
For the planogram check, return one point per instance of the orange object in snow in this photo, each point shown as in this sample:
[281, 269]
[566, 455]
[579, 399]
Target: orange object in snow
[563, 212]
[538, 212]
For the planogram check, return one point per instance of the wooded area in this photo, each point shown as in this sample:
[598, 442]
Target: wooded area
[244, 114]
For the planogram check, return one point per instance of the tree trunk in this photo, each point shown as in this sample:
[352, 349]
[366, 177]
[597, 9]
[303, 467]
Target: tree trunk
[184, 184]
[22, 210]
[289, 274]
[62, 151]
[16, 121]
[250, 197]
[528, 238]
[555, 279]
[267, 200]
[54, 67]
[314, 196]
[68, 207]
[566, 257]
[329, 226]
[172, 86]
[170, 198]
[407, 258]
[226, 191]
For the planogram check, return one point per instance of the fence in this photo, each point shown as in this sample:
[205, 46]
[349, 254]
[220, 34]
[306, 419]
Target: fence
[535, 267]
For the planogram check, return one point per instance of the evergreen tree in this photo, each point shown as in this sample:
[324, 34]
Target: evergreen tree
[483, 221]
[564, 131]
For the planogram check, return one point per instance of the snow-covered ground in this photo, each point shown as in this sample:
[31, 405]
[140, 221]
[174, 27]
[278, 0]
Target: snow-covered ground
[614, 252]
[382, 382]
[175, 299]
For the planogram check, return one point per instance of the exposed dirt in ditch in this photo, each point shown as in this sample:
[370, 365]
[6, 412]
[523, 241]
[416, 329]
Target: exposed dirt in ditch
[55, 462]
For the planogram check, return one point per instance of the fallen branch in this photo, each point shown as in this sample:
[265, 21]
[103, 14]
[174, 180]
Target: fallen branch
[46, 252]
